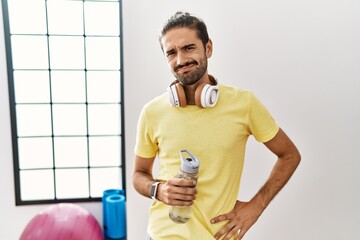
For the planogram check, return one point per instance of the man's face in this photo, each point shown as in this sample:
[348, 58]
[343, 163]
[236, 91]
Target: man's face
[185, 54]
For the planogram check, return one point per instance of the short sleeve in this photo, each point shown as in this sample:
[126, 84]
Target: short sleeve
[145, 147]
[261, 124]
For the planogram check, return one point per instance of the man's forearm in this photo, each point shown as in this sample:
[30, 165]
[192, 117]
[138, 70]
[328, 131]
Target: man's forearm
[280, 175]
[142, 183]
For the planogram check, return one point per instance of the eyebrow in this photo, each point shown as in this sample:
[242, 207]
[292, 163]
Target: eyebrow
[170, 51]
[188, 45]
[183, 47]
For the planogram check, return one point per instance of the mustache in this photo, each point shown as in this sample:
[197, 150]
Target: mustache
[186, 64]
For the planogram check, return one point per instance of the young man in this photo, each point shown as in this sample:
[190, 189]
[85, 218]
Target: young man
[213, 122]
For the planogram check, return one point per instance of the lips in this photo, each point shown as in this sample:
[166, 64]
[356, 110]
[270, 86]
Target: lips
[185, 67]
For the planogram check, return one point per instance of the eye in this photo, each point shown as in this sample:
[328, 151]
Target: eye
[170, 53]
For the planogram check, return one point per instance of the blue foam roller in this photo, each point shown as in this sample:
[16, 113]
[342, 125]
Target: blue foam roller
[107, 193]
[115, 209]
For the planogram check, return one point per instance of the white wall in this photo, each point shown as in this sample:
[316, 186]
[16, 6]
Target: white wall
[301, 58]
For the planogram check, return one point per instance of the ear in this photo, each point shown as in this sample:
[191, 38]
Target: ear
[209, 48]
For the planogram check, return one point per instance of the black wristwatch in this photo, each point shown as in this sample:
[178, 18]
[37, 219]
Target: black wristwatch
[153, 190]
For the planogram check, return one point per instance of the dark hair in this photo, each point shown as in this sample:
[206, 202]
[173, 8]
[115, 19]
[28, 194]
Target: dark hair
[184, 19]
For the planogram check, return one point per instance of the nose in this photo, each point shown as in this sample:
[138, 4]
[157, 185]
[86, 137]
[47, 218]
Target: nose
[181, 58]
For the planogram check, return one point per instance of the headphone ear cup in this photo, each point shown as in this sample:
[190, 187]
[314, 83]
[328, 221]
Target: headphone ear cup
[206, 95]
[198, 94]
[176, 94]
[181, 95]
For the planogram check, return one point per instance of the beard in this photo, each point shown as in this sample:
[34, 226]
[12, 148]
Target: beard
[192, 76]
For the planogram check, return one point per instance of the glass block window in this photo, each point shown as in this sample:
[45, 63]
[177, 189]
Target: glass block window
[65, 74]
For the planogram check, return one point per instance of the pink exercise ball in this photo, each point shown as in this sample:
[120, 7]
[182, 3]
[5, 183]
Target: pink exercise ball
[63, 221]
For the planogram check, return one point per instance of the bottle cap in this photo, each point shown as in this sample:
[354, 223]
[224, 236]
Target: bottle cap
[189, 163]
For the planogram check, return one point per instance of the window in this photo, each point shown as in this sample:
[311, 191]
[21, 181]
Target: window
[65, 74]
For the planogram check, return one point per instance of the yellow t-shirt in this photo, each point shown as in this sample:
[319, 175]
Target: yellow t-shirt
[217, 136]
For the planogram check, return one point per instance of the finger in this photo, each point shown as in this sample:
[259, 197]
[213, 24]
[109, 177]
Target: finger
[242, 233]
[228, 227]
[182, 197]
[182, 191]
[179, 196]
[232, 233]
[237, 235]
[176, 199]
[182, 182]
[219, 219]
